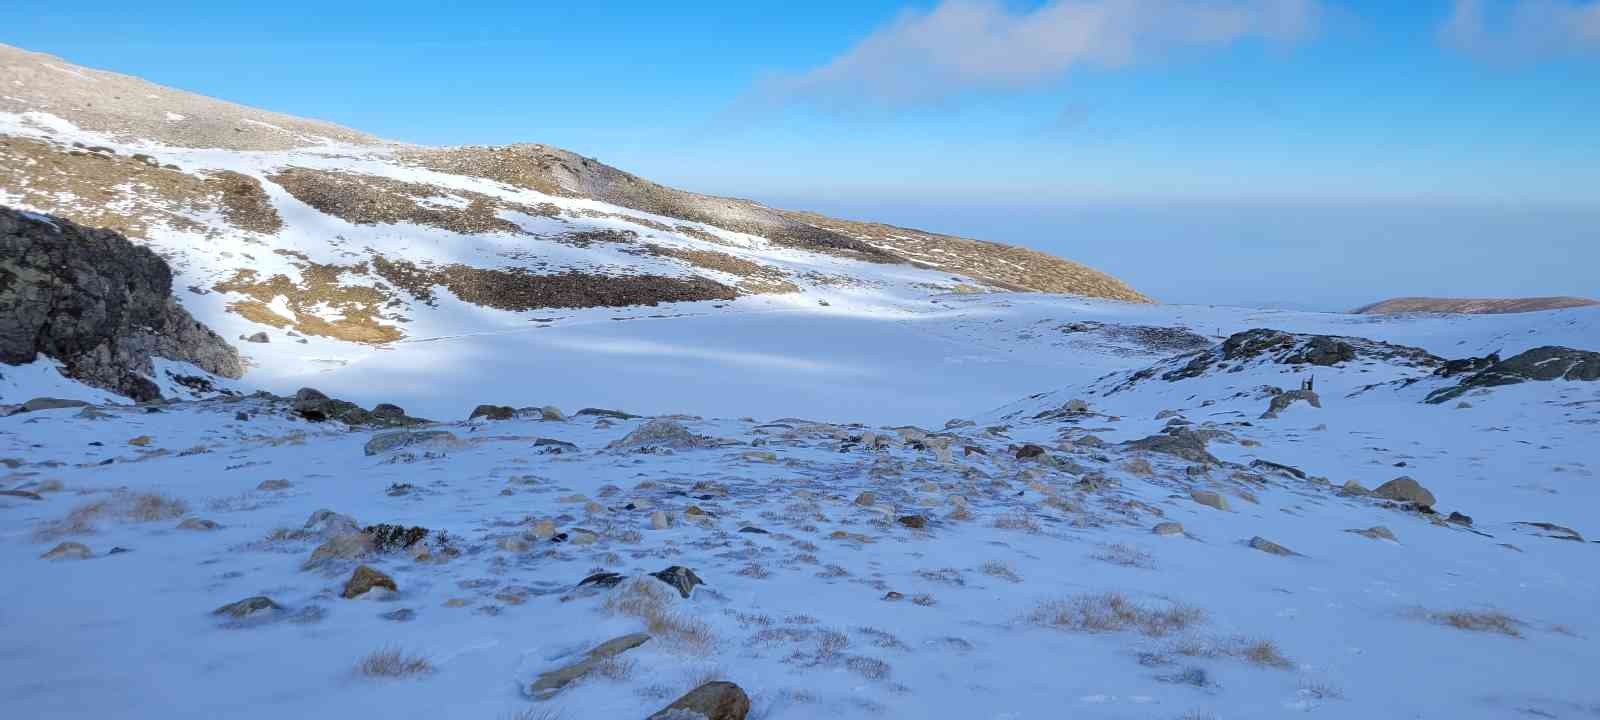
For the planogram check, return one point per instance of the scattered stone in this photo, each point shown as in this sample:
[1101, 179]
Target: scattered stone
[327, 524]
[1355, 488]
[247, 607]
[512, 544]
[551, 446]
[67, 551]
[660, 521]
[1549, 530]
[753, 530]
[1168, 528]
[1459, 519]
[1405, 489]
[401, 615]
[542, 530]
[1268, 546]
[761, 456]
[365, 578]
[493, 412]
[118, 550]
[1269, 466]
[552, 682]
[1376, 532]
[408, 438]
[344, 547]
[893, 596]
[716, 700]
[1283, 399]
[1029, 450]
[259, 337]
[1209, 499]
[273, 485]
[659, 433]
[679, 577]
[198, 524]
[141, 441]
[915, 522]
[1177, 441]
[866, 499]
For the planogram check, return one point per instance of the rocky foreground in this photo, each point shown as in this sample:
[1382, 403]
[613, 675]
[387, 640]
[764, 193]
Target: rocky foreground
[1174, 541]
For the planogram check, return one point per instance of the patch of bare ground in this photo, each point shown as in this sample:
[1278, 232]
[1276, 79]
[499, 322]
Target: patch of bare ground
[358, 309]
[519, 290]
[1006, 266]
[755, 278]
[1114, 612]
[1487, 621]
[373, 199]
[130, 194]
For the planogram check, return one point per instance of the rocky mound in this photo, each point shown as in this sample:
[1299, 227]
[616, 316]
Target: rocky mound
[1285, 348]
[1471, 306]
[97, 303]
[1539, 364]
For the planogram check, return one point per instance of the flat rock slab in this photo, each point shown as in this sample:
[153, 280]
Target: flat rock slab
[548, 684]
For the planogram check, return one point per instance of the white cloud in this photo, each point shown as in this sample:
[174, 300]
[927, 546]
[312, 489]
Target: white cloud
[973, 45]
[1521, 29]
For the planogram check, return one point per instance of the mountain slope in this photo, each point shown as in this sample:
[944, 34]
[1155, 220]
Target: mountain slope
[1471, 306]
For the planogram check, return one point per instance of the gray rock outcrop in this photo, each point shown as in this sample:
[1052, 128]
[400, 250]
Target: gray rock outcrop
[97, 303]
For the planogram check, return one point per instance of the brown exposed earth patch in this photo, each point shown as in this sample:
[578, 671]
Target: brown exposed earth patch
[244, 203]
[1472, 306]
[519, 290]
[360, 309]
[755, 278]
[373, 200]
[1007, 266]
[100, 188]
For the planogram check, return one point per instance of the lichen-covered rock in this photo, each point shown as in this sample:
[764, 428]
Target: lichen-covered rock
[364, 579]
[1209, 499]
[247, 607]
[493, 412]
[1179, 442]
[660, 433]
[1405, 489]
[389, 441]
[67, 551]
[715, 700]
[1270, 547]
[549, 683]
[97, 303]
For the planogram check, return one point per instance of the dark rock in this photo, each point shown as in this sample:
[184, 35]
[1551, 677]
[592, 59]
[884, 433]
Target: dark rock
[550, 446]
[311, 404]
[47, 403]
[1405, 489]
[753, 529]
[97, 303]
[1284, 399]
[260, 337]
[1459, 519]
[679, 577]
[601, 579]
[610, 414]
[915, 522]
[1268, 546]
[24, 494]
[1289, 470]
[1540, 364]
[716, 700]
[493, 412]
[1029, 450]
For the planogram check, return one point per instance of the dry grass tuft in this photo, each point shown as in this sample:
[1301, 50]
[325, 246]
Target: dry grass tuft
[534, 714]
[1317, 689]
[1264, 653]
[995, 568]
[127, 507]
[392, 662]
[1490, 621]
[650, 601]
[1126, 556]
[1017, 520]
[1113, 612]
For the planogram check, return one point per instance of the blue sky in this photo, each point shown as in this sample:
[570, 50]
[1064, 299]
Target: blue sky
[1171, 121]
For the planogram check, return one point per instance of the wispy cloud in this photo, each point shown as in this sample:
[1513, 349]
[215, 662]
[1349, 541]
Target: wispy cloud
[1517, 30]
[963, 46]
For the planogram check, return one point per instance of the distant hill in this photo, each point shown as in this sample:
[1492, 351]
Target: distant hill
[1472, 306]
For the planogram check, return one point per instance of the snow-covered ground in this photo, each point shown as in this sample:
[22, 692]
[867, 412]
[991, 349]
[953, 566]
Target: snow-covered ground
[996, 608]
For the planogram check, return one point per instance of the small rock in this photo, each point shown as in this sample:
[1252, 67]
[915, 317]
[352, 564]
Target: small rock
[344, 547]
[754, 530]
[660, 521]
[273, 485]
[198, 524]
[915, 522]
[1209, 499]
[408, 438]
[1404, 489]
[1460, 519]
[550, 683]
[716, 700]
[67, 551]
[601, 579]
[543, 530]
[401, 615]
[141, 441]
[866, 499]
[551, 413]
[551, 446]
[761, 456]
[247, 607]
[1168, 528]
[1355, 488]
[512, 544]
[1268, 546]
[580, 536]
[679, 577]
[327, 524]
[892, 596]
[260, 337]
[1029, 450]
[1376, 532]
[364, 579]
[1463, 405]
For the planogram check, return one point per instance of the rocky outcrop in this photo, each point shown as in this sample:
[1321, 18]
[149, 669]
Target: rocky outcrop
[97, 303]
[1539, 364]
[312, 404]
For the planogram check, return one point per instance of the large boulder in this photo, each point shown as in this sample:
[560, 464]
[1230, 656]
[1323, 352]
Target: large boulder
[388, 441]
[715, 700]
[1540, 364]
[660, 433]
[97, 303]
[1405, 489]
[313, 405]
